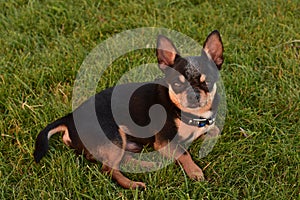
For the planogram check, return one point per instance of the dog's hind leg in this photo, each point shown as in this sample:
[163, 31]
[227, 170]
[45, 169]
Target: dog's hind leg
[112, 155]
[121, 179]
[111, 165]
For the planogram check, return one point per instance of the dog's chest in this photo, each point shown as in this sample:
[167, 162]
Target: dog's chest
[188, 133]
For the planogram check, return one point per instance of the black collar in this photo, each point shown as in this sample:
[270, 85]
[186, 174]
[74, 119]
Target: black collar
[194, 120]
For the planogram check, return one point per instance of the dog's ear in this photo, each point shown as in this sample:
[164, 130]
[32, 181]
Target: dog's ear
[213, 46]
[166, 52]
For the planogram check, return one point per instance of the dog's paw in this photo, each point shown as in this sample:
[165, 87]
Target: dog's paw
[195, 173]
[137, 185]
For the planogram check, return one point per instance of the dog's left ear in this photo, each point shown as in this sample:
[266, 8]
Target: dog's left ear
[213, 46]
[166, 52]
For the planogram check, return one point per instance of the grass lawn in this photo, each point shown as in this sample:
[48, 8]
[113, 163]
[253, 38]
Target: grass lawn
[43, 44]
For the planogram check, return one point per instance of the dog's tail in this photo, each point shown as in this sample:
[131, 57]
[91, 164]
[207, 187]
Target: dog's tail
[42, 140]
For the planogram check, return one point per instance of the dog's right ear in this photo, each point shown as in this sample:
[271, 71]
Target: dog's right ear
[166, 52]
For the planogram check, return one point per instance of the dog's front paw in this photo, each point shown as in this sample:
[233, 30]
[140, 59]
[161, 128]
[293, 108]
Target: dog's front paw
[139, 185]
[195, 173]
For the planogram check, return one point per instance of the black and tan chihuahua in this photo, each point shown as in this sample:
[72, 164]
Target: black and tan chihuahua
[188, 93]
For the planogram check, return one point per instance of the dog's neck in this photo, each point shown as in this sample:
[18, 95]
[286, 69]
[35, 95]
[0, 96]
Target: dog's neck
[193, 120]
[199, 120]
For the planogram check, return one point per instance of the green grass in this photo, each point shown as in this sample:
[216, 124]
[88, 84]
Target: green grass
[43, 44]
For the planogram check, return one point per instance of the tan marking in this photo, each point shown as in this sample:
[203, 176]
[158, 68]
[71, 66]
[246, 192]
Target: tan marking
[66, 138]
[174, 98]
[112, 157]
[190, 167]
[181, 78]
[121, 179]
[123, 136]
[111, 153]
[62, 128]
[203, 98]
[177, 100]
[202, 78]
[158, 144]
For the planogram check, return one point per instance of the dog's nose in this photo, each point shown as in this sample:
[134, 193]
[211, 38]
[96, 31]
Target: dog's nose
[193, 97]
[198, 96]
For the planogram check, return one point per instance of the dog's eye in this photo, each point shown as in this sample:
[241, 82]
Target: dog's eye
[204, 86]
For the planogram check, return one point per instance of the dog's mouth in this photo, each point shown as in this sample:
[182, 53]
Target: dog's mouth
[194, 105]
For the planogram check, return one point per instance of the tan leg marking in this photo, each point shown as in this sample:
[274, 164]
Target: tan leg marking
[190, 167]
[62, 128]
[111, 165]
[183, 157]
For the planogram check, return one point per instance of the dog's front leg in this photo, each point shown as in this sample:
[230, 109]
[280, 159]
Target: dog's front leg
[182, 156]
[190, 167]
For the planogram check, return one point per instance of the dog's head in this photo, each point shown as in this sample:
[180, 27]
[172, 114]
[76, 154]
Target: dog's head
[191, 80]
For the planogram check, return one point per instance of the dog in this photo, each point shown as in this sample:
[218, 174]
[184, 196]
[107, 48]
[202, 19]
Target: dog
[188, 94]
